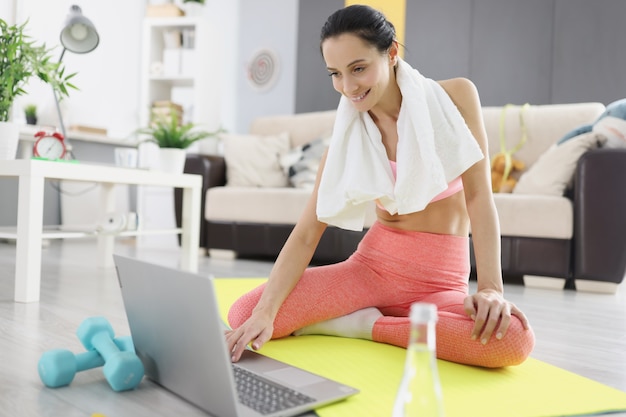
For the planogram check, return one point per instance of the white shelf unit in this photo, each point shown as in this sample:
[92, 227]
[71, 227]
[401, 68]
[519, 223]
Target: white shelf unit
[187, 87]
[163, 86]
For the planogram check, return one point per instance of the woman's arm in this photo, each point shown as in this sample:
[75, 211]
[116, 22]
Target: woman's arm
[291, 262]
[487, 307]
[477, 186]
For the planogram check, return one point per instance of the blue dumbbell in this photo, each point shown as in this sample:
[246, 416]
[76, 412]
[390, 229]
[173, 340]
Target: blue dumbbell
[58, 367]
[122, 369]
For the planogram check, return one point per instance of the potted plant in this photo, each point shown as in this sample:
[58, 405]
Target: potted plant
[30, 111]
[172, 137]
[193, 7]
[21, 59]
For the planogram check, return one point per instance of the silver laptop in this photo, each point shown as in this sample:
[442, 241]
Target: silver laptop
[179, 336]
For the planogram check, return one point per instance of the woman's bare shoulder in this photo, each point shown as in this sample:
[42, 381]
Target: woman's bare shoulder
[461, 90]
[463, 93]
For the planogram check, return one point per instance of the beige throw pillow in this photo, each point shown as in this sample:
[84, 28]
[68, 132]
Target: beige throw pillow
[553, 172]
[254, 160]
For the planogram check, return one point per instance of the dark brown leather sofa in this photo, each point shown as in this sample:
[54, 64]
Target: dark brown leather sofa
[596, 253]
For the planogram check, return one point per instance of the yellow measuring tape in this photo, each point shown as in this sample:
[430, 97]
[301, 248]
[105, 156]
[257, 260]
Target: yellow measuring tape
[508, 154]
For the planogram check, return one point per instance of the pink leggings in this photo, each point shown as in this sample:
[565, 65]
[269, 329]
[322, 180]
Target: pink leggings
[390, 270]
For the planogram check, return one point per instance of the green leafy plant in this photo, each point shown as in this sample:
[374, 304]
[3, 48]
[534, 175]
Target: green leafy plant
[30, 110]
[167, 132]
[21, 59]
[194, 1]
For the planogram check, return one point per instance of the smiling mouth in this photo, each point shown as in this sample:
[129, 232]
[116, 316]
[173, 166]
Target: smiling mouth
[361, 97]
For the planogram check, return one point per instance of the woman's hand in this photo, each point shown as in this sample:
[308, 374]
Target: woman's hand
[491, 313]
[257, 330]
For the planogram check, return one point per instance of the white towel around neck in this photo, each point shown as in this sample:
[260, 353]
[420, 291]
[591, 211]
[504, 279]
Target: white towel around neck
[434, 147]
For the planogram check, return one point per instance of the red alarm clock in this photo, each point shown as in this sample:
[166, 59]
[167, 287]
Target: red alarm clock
[49, 145]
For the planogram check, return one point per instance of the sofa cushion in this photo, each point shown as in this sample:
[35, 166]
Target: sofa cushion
[520, 215]
[254, 160]
[261, 205]
[272, 205]
[302, 127]
[545, 125]
[553, 172]
[539, 216]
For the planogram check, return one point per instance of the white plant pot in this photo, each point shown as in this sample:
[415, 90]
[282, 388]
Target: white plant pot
[193, 9]
[9, 138]
[172, 160]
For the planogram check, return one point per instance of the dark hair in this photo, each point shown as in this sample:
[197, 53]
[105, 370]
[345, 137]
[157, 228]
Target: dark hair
[365, 22]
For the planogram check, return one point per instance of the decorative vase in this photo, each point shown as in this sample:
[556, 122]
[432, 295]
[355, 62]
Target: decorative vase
[172, 160]
[9, 139]
[31, 120]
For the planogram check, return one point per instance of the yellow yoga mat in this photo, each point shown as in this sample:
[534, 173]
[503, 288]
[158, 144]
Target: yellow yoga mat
[532, 389]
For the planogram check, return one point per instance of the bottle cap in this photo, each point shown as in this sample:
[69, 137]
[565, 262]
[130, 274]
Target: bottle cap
[423, 312]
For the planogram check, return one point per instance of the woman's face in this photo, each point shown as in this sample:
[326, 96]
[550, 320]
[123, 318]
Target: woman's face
[358, 70]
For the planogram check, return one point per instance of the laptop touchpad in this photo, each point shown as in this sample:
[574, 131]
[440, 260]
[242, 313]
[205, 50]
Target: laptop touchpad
[295, 377]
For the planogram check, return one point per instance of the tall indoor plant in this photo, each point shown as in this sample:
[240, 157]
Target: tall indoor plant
[21, 59]
[173, 137]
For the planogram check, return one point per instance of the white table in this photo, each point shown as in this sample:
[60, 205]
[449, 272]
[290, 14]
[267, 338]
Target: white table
[29, 234]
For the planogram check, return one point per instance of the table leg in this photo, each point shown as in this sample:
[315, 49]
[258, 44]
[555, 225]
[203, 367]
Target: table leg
[28, 245]
[190, 237]
[106, 241]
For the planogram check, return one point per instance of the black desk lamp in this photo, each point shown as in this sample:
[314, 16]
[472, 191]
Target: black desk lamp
[79, 35]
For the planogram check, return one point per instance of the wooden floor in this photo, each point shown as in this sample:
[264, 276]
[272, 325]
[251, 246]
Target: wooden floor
[580, 332]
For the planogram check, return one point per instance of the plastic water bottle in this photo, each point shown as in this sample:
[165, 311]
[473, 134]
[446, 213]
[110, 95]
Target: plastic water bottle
[419, 394]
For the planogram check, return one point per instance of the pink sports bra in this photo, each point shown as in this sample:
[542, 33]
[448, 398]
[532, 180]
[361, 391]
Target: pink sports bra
[454, 187]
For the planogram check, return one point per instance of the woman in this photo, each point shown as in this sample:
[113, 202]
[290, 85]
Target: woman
[418, 149]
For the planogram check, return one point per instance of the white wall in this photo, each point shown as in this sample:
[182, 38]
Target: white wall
[107, 77]
[224, 29]
[7, 11]
[272, 25]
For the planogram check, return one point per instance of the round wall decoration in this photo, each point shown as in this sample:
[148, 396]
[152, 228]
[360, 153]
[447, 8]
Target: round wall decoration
[263, 70]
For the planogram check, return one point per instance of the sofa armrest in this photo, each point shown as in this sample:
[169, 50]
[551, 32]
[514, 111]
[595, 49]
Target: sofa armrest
[212, 168]
[600, 216]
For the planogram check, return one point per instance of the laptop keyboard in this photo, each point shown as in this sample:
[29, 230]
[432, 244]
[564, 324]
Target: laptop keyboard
[264, 396]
